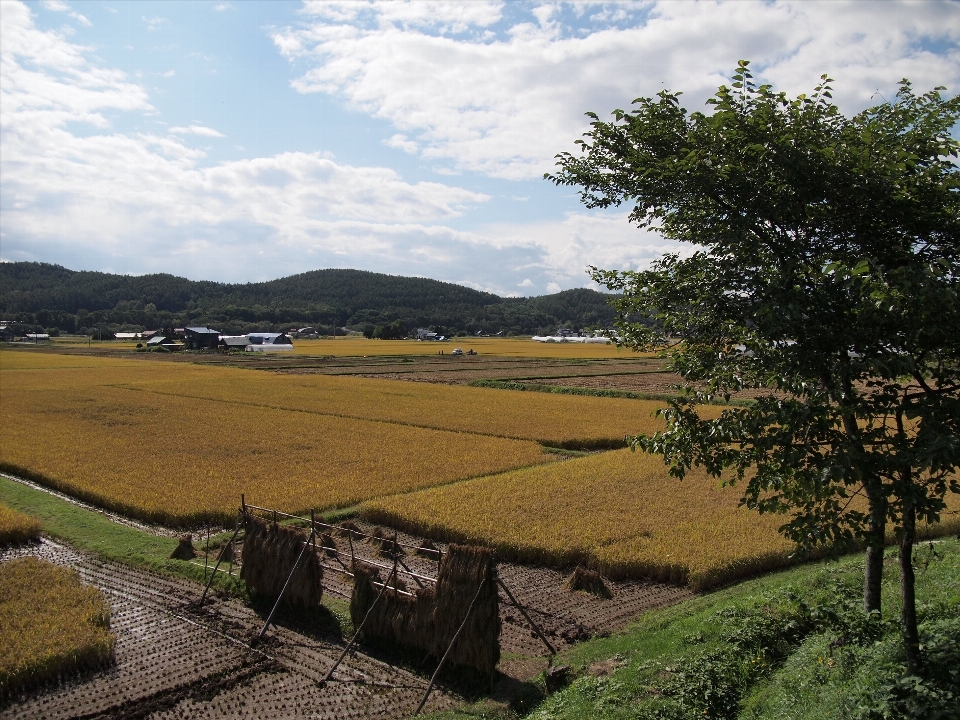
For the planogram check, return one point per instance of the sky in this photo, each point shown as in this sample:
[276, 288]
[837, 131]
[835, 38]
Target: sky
[242, 141]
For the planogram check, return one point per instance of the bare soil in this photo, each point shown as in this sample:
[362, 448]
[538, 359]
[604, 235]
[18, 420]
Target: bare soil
[633, 374]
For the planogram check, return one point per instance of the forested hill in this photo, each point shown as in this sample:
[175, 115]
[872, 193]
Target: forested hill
[49, 297]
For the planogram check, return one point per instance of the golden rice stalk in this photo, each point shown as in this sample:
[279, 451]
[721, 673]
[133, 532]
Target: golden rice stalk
[618, 512]
[50, 624]
[17, 528]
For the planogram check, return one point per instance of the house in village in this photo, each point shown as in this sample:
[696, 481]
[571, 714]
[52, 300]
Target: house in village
[201, 338]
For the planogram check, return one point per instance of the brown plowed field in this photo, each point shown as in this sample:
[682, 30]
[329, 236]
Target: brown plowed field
[175, 660]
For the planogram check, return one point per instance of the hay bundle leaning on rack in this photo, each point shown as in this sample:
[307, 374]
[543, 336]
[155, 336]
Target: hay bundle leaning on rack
[462, 570]
[397, 619]
[269, 554]
[428, 621]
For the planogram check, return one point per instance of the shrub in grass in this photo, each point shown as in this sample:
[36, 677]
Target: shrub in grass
[17, 528]
[50, 624]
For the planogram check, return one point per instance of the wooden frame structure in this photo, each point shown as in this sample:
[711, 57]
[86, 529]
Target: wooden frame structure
[398, 568]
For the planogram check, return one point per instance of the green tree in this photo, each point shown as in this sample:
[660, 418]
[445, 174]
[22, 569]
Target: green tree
[824, 273]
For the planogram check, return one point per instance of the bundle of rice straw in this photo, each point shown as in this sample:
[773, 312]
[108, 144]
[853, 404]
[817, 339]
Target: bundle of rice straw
[588, 581]
[428, 621]
[269, 553]
[462, 570]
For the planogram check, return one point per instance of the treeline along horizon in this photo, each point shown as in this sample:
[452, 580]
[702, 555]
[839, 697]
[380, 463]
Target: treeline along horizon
[43, 297]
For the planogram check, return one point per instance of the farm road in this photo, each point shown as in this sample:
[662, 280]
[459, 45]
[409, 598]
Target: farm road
[175, 662]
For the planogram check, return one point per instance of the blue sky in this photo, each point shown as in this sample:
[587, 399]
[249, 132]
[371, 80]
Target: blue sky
[244, 141]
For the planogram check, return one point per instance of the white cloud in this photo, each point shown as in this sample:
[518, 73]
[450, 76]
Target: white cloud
[441, 14]
[553, 288]
[197, 130]
[402, 143]
[221, 6]
[527, 282]
[60, 6]
[155, 22]
[145, 202]
[169, 73]
[506, 107]
[562, 249]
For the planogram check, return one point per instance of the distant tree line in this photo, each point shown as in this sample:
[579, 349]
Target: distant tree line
[39, 297]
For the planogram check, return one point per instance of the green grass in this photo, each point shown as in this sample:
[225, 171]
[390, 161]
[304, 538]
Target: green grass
[92, 532]
[793, 644]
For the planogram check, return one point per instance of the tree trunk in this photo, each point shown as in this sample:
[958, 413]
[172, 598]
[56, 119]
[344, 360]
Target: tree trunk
[873, 574]
[873, 578]
[908, 612]
[873, 486]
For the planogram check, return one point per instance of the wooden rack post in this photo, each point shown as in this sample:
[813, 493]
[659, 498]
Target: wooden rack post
[456, 635]
[519, 607]
[219, 560]
[355, 635]
[206, 552]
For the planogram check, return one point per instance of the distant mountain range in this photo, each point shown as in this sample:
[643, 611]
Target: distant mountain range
[44, 297]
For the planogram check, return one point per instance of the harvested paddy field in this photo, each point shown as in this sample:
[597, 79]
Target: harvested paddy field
[177, 660]
[624, 372]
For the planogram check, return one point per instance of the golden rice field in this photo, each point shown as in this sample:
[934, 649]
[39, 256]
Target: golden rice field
[16, 528]
[550, 419]
[50, 624]
[619, 511]
[172, 459]
[173, 443]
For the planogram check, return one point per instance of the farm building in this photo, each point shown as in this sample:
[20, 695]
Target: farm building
[164, 341]
[234, 342]
[269, 342]
[201, 338]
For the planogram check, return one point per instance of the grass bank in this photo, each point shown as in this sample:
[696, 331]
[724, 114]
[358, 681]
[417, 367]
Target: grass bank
[93, 532]
[794, 644]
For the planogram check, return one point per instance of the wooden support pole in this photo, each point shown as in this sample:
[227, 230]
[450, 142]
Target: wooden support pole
[289, 578]
[396, 557]
[536, 628]
[456, 636]
[214, 573]
[236, 529]
[206, 552]
[355, 636]
[412, 573]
